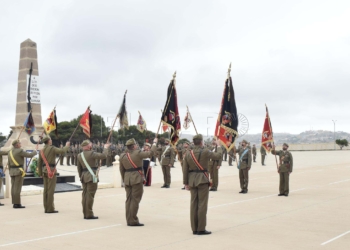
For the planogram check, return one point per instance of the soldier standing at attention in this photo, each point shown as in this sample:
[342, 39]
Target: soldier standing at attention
[244, 165]
[263, 155]
[184, 150]
[47, 169]
[254, 153]
[61, 156]
[75, 155]
[231, 156]
[87, 175]
[167, 156]
[224, 153]
[69, 155]
[109, 157]
[214, 166]
[285, 168]
[16, 164]
[196, 179]
[2, 174]
[133, 177]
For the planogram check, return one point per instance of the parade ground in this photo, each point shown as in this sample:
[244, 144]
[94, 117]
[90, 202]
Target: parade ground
[314, 216]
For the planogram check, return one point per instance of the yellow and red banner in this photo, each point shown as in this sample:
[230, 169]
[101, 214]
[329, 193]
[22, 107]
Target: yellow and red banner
[50, 123]
[86, 122]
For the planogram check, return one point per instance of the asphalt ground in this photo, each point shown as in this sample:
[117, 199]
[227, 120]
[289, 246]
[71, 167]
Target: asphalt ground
[316, 214]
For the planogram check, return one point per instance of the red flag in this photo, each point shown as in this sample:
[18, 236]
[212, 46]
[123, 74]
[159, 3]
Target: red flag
[86, 122]
[267, 134]
[227, 123]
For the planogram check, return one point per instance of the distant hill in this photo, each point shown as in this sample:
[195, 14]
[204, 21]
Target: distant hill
[311, 136]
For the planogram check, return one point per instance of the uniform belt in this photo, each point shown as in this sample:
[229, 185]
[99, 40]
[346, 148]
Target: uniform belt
[285, 162]
[16, 166]
[198, 171]
[245, 160]
[86, 170]
[133, 169]
[51, 165]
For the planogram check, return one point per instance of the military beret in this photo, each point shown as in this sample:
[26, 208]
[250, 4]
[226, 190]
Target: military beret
[245, 141]
[167, 140]
[147, 144]
[85, 143]
[130, 142]
[199, 136]
[15, 142]
[45, 139]
[285, 144]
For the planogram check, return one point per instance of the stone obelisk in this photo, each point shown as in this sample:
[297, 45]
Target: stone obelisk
[28, 55]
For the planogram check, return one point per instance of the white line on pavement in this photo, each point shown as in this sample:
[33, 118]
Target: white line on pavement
[257, 198]
[324, 243]
[338, 182]
[58, 235]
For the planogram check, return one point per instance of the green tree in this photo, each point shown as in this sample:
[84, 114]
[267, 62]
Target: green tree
[2, 137]
[342, 143]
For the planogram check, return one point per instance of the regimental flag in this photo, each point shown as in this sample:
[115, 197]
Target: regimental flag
[170, 116]
[267, 134]
[50, 123]
[123, 115]
[165, 128]
[227, 122]
[141, 123]
[187, 120]
[29, 125]
[86, 122]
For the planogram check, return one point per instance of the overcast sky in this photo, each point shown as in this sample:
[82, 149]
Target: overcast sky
[292, 55]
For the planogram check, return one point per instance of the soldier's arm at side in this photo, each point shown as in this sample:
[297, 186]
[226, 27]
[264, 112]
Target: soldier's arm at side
[220, 160]
[121, 167]
[185, 171]
[291, 162]
[39, 165]
[249, 159]
[79, 168]
[172, 156]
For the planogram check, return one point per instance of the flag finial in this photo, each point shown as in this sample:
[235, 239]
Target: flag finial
[229, 71]
[174, 75]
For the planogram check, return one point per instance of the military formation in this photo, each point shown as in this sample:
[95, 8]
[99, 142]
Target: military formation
[200, 167]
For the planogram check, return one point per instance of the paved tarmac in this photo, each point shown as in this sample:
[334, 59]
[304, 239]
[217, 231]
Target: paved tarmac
[315, 215]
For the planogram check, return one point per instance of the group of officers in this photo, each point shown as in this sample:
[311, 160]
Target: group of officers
[200, 165]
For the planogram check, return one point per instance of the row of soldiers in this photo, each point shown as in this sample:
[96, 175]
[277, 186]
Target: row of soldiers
[196, 161]
[73, 151]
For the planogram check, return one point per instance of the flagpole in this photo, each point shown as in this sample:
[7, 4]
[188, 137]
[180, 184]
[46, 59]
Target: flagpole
[160, 123]
[76, 127]
[192, 119]
[110, 133]
[174, 76]
[273, 142]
